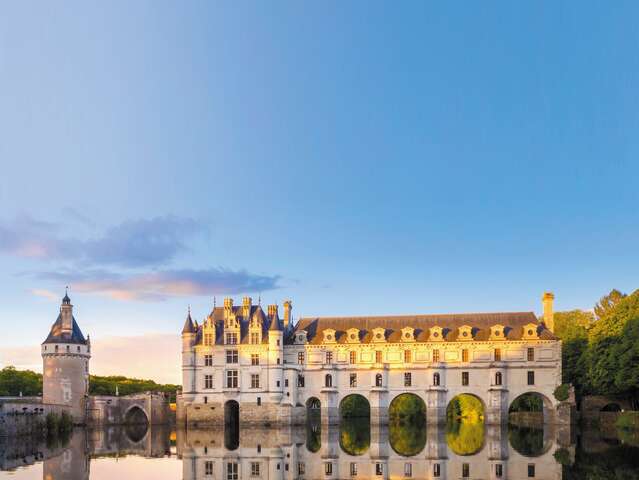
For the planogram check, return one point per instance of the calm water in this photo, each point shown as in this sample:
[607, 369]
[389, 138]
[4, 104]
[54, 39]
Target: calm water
[352, 450]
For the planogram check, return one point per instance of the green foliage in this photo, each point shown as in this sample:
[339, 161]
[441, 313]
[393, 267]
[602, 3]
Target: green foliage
[528, 441]
[628, 421]
[355, 435]
[608, 303]
[127, 386]
[602, 356]
[407, 407]
[562, 392]
[465, 437]
[407, 438]
[528, 402]
[13, 381]
[354, 406]
[562, 456]
[467, 407]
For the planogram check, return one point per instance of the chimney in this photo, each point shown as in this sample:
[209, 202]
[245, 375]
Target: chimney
[246, 307]
[66, 312]
[549, 317]
[228, 307]
[272, 311]
[288, 306]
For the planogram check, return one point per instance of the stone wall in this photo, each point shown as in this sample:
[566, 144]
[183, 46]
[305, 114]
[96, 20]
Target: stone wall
[212, 413]
[26, 417]
[112, 410]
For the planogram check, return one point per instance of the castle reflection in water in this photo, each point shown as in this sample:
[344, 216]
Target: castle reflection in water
[350, 450]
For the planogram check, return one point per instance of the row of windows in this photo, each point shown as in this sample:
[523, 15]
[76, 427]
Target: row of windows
[408, 356]
[232, 356]
[231, 338]
[57, 348]
[408, 379]
[232, 469]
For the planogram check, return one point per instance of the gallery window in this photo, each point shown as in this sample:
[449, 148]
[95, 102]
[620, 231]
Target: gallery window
[465, 470]
[328, 381]
[499, 470]
[498, 378]
[300, 380]
[353, 380]
[531, 470]
[255, 469]
[328, 468]
[465, 378]
[436, 379]
[531, 378]
[408, 379]
[378, 380]
[353, 469]
[232, 471]
[436, 470]
[208, 468]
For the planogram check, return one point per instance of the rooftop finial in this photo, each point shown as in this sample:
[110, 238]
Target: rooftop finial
[66, 300]
[259, 299]
[214, 301]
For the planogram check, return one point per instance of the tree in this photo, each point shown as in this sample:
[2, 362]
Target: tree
[13, 382]
[607, 303]
[620, 312]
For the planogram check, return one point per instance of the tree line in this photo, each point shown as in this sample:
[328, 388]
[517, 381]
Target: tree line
[600, 354]
[28, 383]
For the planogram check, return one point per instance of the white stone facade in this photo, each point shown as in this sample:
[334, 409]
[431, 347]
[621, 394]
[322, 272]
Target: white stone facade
[495, 357]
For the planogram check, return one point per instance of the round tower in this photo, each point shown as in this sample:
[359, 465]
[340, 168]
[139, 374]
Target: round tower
[65, 364]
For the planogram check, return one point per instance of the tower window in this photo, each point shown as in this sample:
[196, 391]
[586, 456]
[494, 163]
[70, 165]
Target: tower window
[231, 356]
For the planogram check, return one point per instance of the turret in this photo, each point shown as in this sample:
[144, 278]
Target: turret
[189, 332]
[65, 364]
[246, 307]
[549, 316]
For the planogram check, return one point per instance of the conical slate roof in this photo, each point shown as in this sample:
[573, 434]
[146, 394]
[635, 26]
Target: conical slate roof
[188, 324]
[57, 336]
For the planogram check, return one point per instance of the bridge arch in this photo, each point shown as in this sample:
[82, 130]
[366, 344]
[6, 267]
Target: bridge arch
[534, 403]
[136, 415]
[407, 424]
[354, 405]
[611, 407]
[465, 429]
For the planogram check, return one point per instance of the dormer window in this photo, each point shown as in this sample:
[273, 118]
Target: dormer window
[379, 334]
[465, 333]
[408, 334]
[530, 331]
[329, 335]
[300, 337]
[497, 332]
[436, 334]
[352, 335]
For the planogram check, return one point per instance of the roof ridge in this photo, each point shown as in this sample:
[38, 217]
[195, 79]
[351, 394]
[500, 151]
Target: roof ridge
[409, 315]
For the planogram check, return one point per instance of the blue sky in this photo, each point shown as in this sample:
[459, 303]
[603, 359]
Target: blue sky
[358, 158]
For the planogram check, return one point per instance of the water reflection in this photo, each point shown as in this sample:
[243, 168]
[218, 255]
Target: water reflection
[353, 448]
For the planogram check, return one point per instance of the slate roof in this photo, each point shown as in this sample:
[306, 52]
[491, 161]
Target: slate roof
[56, 335]
[217, 316]
[480, 323]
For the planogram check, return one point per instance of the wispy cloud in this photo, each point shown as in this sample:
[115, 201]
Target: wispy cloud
[134, 243]
[40, 292]
[160, 285]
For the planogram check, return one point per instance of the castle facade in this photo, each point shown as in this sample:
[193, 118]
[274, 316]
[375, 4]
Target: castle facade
[247, 361]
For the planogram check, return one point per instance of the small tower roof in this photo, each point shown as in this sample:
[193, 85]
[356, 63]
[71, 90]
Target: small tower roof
[188, 324]
[275, 324]
[57, 335]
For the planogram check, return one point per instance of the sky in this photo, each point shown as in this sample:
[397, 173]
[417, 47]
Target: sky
[357, 158]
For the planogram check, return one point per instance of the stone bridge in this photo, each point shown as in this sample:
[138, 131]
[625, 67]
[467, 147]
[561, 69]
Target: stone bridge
[143, 408]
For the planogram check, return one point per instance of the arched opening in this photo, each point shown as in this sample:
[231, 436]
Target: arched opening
[135, 416]
[136, 432]
[528, 416]
[436, 379]
[498, 378]
[354, 427]
[378, 380]
[328, 380]
[530, 409]
[313, 425]
[611, 407]
[231, 425]
[407, 424]
[465, 424]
